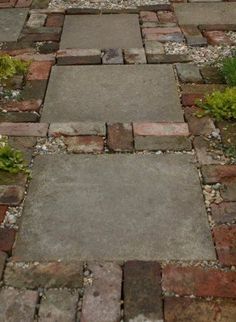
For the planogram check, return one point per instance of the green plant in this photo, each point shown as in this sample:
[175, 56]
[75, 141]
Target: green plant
[230, 151]
[10, 66]
[228, 70]
[11, 160]
[219, 105]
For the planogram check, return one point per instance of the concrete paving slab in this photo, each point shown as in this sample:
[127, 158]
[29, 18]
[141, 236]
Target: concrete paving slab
[11, 23]
[114, 207]
[112, 94]
[101, 31]
[219, 13]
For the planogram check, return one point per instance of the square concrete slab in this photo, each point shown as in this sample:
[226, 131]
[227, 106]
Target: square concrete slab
[112, 94]
[101, 31]
[114, 207]
[219, 13]
[11, 23]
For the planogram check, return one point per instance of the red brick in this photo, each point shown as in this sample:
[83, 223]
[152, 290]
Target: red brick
[24, 129]
[23, 3]
[3, 210]
[39, 70]
[11, 195]
[197, 310]
[148, 16]
[193, 35]
[218, 173]
[199, 281]
[224, 213]
[198, 126]
[217, 38]
[78, 56]
[166, 17]
[120, 137]
[161, 129]
[161, 30]
[163, 34]
[142, 291]
[55, 20]
[225, 241]
[7, 239]
[101, 301]
[22, 106]
[84, 144]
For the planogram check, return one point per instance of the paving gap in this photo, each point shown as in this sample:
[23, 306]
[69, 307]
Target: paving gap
[37, 307]
[122, 299]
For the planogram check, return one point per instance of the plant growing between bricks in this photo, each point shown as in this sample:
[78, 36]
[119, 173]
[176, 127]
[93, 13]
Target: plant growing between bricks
[9, 67]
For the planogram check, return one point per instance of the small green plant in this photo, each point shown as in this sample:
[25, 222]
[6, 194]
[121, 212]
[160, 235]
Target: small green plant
[11, 160]
[10, 66]
[219, 105]
[230, 151]
[228, 70]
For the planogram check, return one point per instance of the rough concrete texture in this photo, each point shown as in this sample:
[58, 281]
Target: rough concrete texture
[101, 31]
[11, 23]
[114, 207]
[112, 94]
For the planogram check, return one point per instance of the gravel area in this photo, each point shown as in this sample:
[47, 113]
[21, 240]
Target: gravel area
[49, 146]
[106, 4]
[12, 217]
[201, 55]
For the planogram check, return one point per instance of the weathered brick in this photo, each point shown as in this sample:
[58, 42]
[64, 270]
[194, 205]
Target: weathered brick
[77, 128]
[206, 154]
[163, 34]
[218, 173]
[23, 3]
[41, 34]
[186, 309]
[7, 239]
[142, 291]
[161, 136]
[58, 305]
[148, 16]
[198, 126]
[47, 275]
[113, 56]
[17, 305]
[40, 4]
[16, 117]
[199, 281]
[24, 129]
[49, 47]
[217, 38]
[101, 300]
[55, 20]
[188, 73]
[120, 137]
[22, 106]
[3, 257]
[134, 56]
[224, 213]
[11, 195]
[167, 59]
[79, 57]
[166, 17]
[193, 36]
[225, 241]
[211, 75]
[36, 20]
[3, 210]
[228, 189]
[39, 70]
[12, 179]
[228, 132]
[154, 48]
[35, 89]
[84, 144]
[37, 57]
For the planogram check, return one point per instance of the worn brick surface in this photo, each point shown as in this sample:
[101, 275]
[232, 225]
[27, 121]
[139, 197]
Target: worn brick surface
[101, 301]
[23, 3]
[79, 57]
[224, 213]
[58, 305]
[166, 17]
[217, 38]
[84, 144]
[3, 257]
[228, 132]
[167, 59]
[77, 128]
[218, 173]
[34, 90]
[22, 106]
[36, 20]
[228, 189]
[39, 70]
[199, 281]
[113, 56]
[188, 73]
[11, 195]
[211, 75]
[142, 292]
[12, 179]
[148, 16]
[134, 56]
[48, 275]
[17, 305]
[3, 210]
[120, 137]
[24, 129]
[198, 126]
[225, 241]
[186, 309]
[205, 152]
[7, 238]
[193, 36]
[16, 117]
[55, 20]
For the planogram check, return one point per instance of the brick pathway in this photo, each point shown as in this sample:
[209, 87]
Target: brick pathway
[130, 211]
